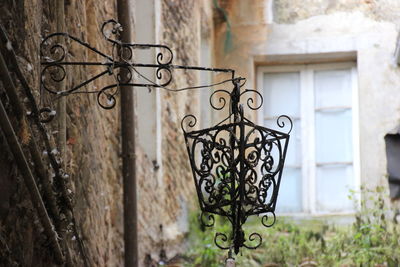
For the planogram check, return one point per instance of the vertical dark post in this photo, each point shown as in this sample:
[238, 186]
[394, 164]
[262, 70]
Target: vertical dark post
[240, 210]
[128, 146]
[235, 208]
[236, 111]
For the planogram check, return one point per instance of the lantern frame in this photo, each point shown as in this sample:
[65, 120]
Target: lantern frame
[237, 167]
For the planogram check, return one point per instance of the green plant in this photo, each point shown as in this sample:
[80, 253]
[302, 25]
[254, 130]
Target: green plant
[202, 250]
[371, 240]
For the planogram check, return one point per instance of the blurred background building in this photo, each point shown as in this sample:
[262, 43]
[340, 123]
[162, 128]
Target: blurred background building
[331, 65]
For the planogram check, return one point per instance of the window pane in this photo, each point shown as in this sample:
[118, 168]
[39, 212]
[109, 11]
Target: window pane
[332, 88]
[289, 197]
[333, 185]
[333, 136]
[282, 94]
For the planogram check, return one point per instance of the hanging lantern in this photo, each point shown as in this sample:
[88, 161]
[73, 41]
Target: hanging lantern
[237, 167]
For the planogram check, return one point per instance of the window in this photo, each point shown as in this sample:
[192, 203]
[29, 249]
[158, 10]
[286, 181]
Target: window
[392, 141]
[322, 159]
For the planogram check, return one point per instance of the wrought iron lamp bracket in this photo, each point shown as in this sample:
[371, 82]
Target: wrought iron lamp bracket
[236, 164]
[55, 58]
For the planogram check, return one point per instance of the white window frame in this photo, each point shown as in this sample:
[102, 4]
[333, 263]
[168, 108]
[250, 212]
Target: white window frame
[307, 129]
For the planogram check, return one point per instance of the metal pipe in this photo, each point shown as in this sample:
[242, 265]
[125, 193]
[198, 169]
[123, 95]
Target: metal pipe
[128, 64]
[30, 183]
[128, 147]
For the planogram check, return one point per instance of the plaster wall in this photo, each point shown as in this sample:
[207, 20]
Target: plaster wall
[373, 41]
[239, 36]
[299, 32]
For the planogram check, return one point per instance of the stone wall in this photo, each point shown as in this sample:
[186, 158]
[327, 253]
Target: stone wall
[181, 25]
[92, 152]
[173, 196]
[93, 144]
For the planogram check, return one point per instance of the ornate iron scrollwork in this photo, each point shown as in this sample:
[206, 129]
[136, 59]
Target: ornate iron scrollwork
[237, 167]
[55, 59]
[236, 164]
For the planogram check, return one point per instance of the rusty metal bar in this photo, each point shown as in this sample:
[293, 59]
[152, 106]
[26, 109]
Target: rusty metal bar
[35, 113]
[30, 183]
[39, 166]
[33, 148]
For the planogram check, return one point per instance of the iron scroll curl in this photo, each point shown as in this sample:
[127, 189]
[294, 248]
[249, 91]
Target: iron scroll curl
[189, 121]
[281, 123]
[112, 27]
[207, 220]
[222, 100]
[251, 101]
[253, 237]
[265, 219]
[220, 238]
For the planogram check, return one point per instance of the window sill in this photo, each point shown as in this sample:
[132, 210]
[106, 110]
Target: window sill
[341, 218]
